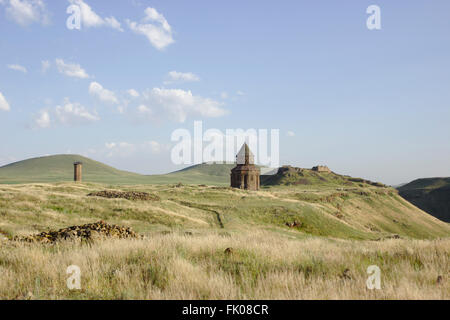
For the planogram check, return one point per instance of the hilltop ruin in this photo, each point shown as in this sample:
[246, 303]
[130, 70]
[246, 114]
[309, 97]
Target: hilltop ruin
[321, 169]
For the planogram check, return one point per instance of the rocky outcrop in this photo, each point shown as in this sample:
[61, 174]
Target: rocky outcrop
[93, 231]
[130, 195]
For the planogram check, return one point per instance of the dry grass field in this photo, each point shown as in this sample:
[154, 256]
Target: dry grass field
[260, 266]
[188, 229]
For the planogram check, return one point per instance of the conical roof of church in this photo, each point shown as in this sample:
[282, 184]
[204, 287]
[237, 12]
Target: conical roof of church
[245, 156]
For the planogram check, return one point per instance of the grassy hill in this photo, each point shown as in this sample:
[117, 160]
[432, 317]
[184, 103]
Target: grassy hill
[351, 212]
[431, 195]
[304, 235]
[287, 242]
[325, 203]
[59, 168]
[211, 174]
[291, 176]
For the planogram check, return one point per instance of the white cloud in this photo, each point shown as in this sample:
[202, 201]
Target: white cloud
[45, 65]
[68, 113]
[74, 113]
[104, 95]
[143, 109]
[43, 119]
[159, 34]
[4, 105]
[155, 147]
[71, 70]
[290, 134]
[113, 23]
[110, 145]
[121, 109]
[224, 95]
[88, 17]
[175, 76]
[240, 93]
[179, 104]
[25, 12]
[91, 19]
[126, 149]
[17, 67]
[119, 149]
[133, 93]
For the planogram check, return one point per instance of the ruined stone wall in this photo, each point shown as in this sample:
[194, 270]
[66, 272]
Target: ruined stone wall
[321, 169]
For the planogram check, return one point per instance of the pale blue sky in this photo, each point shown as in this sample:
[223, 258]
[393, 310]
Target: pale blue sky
[373, 104]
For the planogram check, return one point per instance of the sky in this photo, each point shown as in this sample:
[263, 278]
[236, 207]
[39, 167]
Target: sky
[367, 103]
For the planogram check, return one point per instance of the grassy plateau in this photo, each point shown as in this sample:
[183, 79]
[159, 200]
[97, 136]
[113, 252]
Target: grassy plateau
[60, 168]
[305, 235]
[340, 231]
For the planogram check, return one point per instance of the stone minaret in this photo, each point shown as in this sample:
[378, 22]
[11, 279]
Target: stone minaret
[245, 175]
[77, 166]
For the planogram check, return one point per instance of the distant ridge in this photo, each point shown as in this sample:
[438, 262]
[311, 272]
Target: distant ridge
[291, 176]
[59, 168]
[432, 195]
[325, 203]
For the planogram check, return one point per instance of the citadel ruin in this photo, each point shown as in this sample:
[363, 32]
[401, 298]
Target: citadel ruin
[321, 169]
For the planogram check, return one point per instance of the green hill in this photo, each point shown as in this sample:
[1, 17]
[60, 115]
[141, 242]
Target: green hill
[351, 212]
[291, 176]
[209, 242]
[59, 168]
[325, 203]
[211, 174]
[431, 195]
[301, 230]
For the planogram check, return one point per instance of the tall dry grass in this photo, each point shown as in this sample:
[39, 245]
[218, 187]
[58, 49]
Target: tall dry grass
[262, 265]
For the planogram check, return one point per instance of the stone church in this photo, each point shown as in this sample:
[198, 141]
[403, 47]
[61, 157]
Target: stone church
[245, 175]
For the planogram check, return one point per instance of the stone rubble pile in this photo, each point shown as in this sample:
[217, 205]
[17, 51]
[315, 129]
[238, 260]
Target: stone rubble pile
[92, 231]
[294, 224]
[130, 195]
